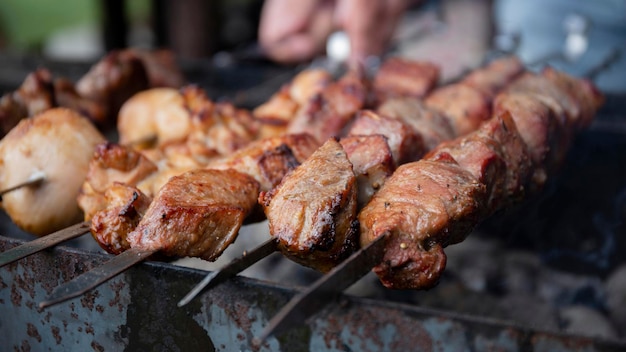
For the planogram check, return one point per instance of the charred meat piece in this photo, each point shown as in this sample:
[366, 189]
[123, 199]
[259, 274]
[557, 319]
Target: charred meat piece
[66, 96]
[372, 163]
[125, 206]
[35, 95]
[312, 212]
[326, 115]
[268, 160]
[196, 214]
[405, 143]
[422, 207]
[399, 77]
[111, 163]
[111, 81]
[431, 124]
[161, 67]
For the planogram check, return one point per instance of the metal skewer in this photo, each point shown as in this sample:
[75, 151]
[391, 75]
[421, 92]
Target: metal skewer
[97, 276]
[42, 243]
[231, 269]
[35, 179]
[324, 290]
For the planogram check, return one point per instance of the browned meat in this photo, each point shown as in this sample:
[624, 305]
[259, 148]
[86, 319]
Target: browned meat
[466, 107]
[582, 91]
[111, 163]
[196, 214]
[433, 126]
[268, 160]
[399, 77]
[277, 113]
[125, 206]
[538, 128]
[327, 114]
[495, 76]
[405, 143]
[426, 205]
[113, 80]
[35, 95]
[423, 207]
[66, 96]
[312, 212]
[372, 162]
[161, 67]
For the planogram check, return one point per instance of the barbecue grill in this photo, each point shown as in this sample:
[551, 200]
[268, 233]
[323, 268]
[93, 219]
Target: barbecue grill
[571, 230]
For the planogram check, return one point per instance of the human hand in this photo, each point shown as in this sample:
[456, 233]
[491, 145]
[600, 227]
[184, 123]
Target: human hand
[295, 31]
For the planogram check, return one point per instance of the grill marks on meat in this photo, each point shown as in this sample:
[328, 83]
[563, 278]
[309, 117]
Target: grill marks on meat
[196, 214]
[268, 160]
[125, 207]
[423, 206]
[312, 212]
[474, 176]
[328, 113]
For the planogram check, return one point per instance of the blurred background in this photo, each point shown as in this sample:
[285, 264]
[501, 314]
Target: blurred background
[573, 35]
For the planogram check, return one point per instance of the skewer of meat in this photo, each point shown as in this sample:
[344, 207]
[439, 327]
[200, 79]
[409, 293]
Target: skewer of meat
[197, 213]
[429, 204]
[375, 145]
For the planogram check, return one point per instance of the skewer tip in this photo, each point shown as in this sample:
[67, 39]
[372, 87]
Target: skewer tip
[197, 289]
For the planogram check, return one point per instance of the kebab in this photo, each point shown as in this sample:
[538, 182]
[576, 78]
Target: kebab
[313, 231]
[437, 201]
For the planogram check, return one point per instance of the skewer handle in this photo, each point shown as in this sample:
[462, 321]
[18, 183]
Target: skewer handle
[34, 246]
[96, 276]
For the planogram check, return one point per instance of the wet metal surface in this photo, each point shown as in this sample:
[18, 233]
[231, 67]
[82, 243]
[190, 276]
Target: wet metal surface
[137, 311]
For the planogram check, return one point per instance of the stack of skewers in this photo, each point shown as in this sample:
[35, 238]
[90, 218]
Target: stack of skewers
[394, 166]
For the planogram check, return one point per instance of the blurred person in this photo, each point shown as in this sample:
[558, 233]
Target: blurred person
[296, 31]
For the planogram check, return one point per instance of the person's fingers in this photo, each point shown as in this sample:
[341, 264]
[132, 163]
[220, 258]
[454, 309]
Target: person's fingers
[292, 31]
[369, 25]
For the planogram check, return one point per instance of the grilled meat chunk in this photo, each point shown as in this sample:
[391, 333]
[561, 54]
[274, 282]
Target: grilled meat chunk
[495, 76]
[275, 114]
[465, 106]
[327, 114]
[399, 77]
[312, 212]
[125, 207]
[372, 163]
[422, 207]
[431, 124]
[196, 214]
[111, 163]
[268, 160]
[405, 143]
[35, 95]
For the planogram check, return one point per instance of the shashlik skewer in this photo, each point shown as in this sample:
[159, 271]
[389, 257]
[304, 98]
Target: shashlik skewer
[175, 222]
[428, 204]
[409, 121]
